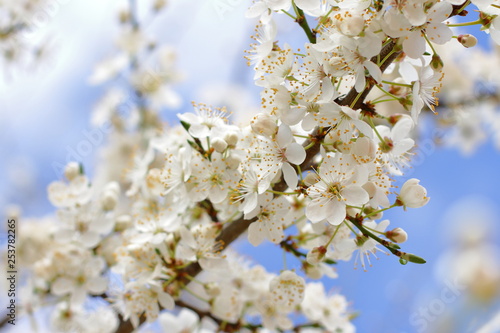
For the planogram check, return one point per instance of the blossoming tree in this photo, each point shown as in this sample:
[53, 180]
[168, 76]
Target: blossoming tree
[149, 237]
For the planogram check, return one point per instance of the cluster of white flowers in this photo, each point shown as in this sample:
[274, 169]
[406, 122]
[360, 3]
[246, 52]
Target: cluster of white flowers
[313, 173]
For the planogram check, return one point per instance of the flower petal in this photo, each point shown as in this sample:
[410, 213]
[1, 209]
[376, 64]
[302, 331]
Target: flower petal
[97, 285]
[284, 136]
[414, 44]
[256, 10]
[187, 237]
[440, 35]
[374, 71]
[402, 128]
[256, 233]
[290, 175]
[355, 195]
[274, 231]
[295, 153]
[318, 210]
[166, 301]
[62, 286]
[337, 213]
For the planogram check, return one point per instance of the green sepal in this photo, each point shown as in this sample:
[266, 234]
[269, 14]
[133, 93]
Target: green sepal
[192, 144]
[185, 125]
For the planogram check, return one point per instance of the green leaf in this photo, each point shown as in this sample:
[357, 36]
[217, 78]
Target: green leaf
[416, 259]
[412, 258]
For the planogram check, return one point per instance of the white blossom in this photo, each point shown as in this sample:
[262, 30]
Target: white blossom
[287, 290]
[340, 184]
[270, 215]
[412, 194]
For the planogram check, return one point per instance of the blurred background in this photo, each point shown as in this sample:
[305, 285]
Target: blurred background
[45, 114]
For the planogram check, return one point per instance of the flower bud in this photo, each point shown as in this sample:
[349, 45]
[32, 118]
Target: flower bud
[436, 63]
[264, 124]
[316, 255]
[110, 196]
[412, 194]
[109, 200]
[219, 145]
[397, 235]
[467, 40]
[123, 222]
[232, 139]
[113, 187]
[71, 170]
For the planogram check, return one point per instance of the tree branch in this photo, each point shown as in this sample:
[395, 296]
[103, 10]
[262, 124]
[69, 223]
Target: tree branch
[236, 228]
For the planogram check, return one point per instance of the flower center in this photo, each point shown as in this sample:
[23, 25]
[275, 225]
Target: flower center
[215, 179]
[386, 146]
[334, 190]
[82, 226]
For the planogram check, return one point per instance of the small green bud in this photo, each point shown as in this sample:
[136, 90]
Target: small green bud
[436, 63]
